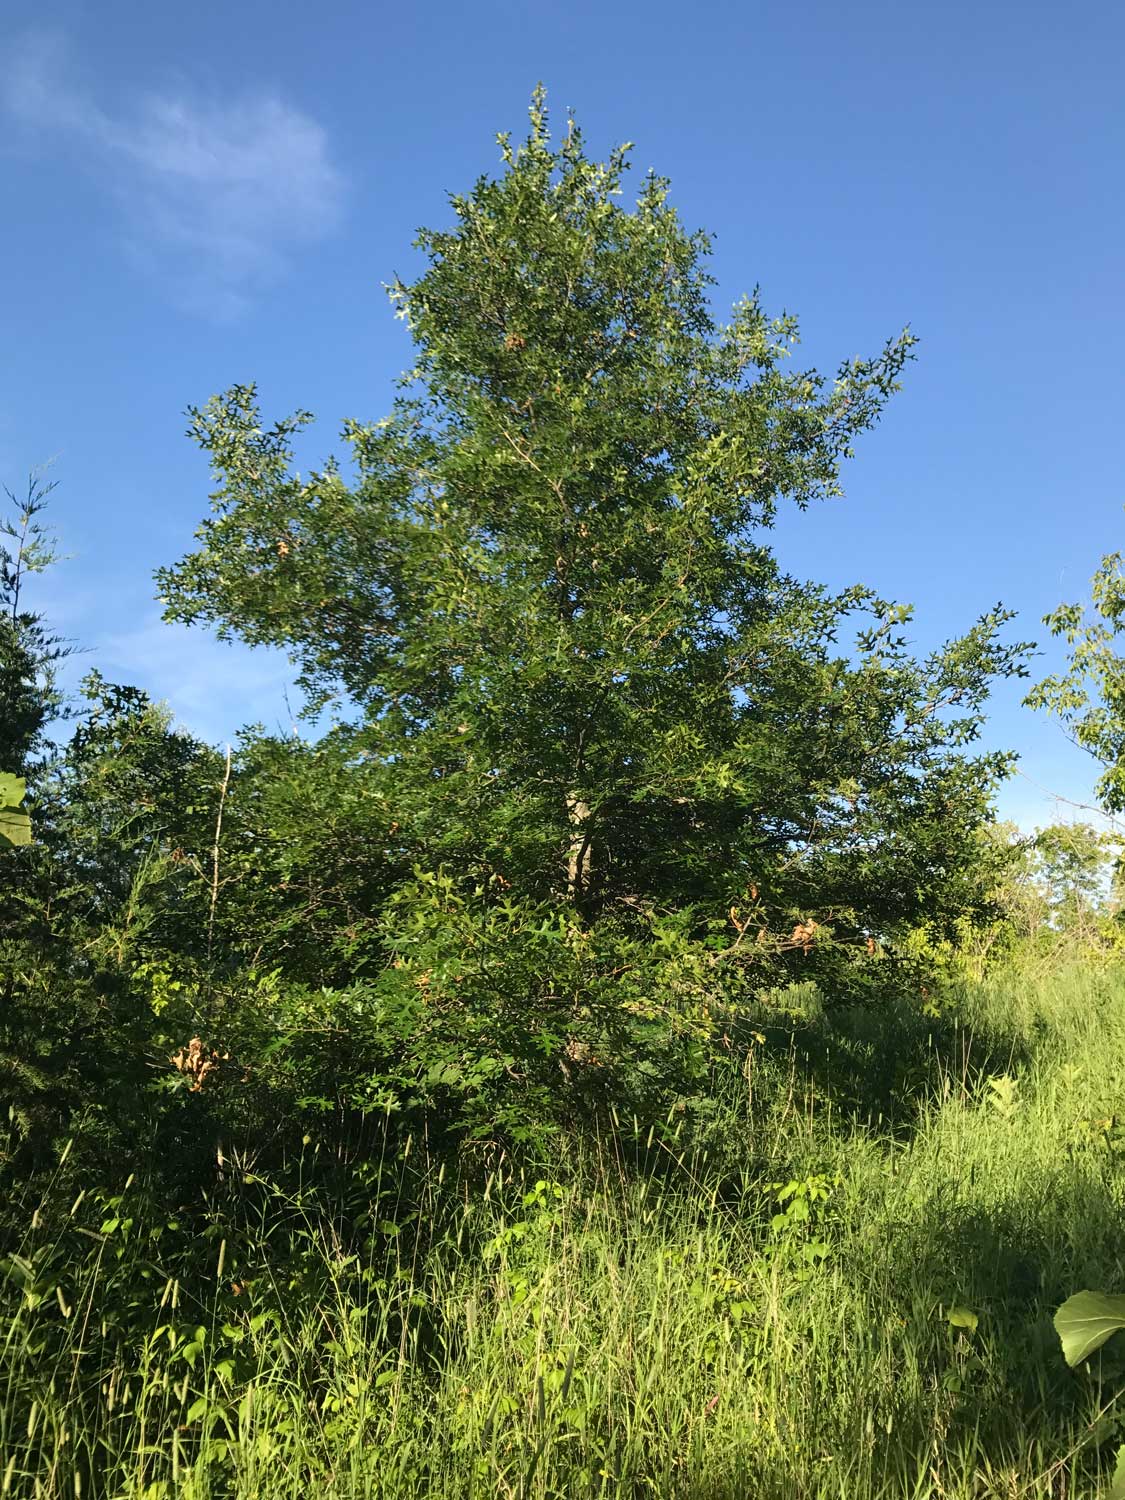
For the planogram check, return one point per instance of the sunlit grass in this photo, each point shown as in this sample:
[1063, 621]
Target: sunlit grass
[768, 1319]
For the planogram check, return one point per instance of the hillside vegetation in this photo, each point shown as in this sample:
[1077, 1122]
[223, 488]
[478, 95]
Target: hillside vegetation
[617, 1051]
[850, 1294]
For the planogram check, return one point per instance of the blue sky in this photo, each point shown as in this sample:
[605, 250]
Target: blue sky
[198, 195]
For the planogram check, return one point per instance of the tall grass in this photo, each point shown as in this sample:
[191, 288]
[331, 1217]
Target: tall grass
[769, 1316]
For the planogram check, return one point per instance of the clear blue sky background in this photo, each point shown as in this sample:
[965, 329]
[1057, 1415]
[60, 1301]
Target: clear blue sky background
[198, 195]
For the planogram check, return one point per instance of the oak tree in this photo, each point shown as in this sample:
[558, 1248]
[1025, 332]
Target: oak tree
[628, 771]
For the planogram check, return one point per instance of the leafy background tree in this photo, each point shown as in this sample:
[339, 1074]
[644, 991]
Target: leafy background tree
[1088, 695]
[1053, 897]
[29, 651]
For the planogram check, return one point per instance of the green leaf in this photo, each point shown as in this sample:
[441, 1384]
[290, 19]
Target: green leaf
[1117, 1485]
[962, 1317]
[1085, 1321]
[15, 825]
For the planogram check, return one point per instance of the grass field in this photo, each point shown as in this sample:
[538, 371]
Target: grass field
[843, 1289]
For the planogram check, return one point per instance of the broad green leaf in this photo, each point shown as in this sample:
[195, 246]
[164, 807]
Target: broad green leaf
[12, 789]
[963, 1317]
[15, 825]
[1117, 1485]
[1085, 1321]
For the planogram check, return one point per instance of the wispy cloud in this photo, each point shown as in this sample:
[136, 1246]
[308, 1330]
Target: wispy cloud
[214, 194]
[213, 688]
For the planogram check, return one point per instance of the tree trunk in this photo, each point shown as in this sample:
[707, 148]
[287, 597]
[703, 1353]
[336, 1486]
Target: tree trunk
[580, 858]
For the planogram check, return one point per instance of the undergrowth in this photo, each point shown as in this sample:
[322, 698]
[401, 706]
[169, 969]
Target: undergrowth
[838, 1281]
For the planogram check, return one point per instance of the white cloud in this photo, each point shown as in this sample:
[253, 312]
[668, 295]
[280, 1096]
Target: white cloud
[213, 688]
[214, 194]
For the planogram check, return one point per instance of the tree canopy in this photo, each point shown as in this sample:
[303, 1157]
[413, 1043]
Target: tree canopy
[603, 773]
[585, 697]
[1088, 694]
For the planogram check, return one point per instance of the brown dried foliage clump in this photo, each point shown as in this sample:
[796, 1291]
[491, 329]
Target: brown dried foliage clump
[804, 935]
[197, 1063]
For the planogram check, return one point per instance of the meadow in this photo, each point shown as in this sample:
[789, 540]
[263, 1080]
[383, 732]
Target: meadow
[843, 1289]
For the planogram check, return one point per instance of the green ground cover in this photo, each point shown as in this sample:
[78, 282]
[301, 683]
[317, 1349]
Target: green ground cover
[844, 1288]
